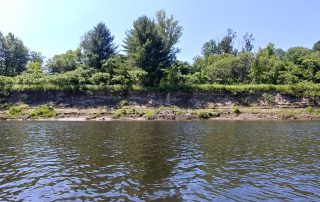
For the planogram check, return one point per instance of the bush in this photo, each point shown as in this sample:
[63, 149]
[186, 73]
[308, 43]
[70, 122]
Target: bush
[4, 106]
[150, 115]
[120, 113]
[313, 110]
[207, 114]
[310, 110]
[236, 110]
[123, 103]
[43, 111]
[15, 111]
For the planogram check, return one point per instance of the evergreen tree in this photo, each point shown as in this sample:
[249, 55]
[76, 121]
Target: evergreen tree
[150, 45]
[97, 45]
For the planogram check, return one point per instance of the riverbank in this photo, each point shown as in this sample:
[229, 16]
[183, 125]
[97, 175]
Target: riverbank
[44, 112]
[157, 105]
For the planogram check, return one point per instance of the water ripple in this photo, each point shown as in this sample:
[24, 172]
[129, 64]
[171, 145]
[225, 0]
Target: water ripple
[172, 161]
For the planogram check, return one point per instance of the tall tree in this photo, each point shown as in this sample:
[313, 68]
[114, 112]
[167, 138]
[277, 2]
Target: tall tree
[150, 45]
[210, 48]
[13, 55]
[170, 32]
[146, 49]
[248, 40]
[316, 46]
[226, 44]
[36, 57]
[215, 47]
[266, 67]
[97, 45]
[3, 53]
[64, 62]
[296, 54]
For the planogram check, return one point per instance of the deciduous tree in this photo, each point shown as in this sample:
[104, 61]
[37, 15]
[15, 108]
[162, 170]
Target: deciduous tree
[13, 55]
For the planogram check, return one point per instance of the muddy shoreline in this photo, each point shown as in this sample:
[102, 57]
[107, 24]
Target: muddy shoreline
[133, 113]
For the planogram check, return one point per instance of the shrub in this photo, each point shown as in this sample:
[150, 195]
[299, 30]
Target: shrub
[150, 115]
[43, 111]
[123, 103]
[15, 111]
[4, 106]
[310, 110]
[236, 110]
[120, 113]
[313, 110]
[207, 114]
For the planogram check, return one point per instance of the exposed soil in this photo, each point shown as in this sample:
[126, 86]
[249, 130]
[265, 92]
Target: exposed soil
[167, 113]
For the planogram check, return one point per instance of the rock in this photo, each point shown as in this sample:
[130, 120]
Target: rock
[166, 115]
[188, 116]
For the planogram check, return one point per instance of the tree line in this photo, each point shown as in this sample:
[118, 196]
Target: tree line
[149, 59]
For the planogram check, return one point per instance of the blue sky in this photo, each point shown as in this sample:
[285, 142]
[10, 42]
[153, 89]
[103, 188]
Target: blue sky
[55, 26]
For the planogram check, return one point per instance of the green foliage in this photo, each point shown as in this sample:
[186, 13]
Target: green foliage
[248, 40]
[145, 49]
[13, 55]
[270, 99]
[176, 75]
[236, 110]
[150, 46]
[43, 111]
[15, 111]
[269, 66]
[150, 63]
[210, 48]
[224, 68]
[34, 68]
[312, 110]
[316, 46]
[64, 62]
[226, 45]
[204, 115]
[265, 68]
[120, 113]
[122, 103]
[295, 54]
[97, 45]
[309, 110]
[207, 114]
[100, 78]
[170, 32]
[36, 57]
[149, 115]
[120, 74]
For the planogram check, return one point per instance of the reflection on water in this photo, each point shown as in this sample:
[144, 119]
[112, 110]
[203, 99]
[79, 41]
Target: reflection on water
[241, 161]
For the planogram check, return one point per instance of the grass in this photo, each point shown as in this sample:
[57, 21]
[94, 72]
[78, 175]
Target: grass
[300, 89]
[207, 114]
[135, 112]
[120, 113]
[15, 111]
[236, 110]
[21, 110]
[43, 111]
[150, 115]
[312, 110]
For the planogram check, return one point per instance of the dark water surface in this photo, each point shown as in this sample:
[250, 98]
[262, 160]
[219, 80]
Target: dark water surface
[173, 161]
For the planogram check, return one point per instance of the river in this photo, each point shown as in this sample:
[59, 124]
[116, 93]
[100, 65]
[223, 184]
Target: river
[150, 160]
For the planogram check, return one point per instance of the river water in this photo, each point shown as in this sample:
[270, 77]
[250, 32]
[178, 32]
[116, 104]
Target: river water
[171, 161]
